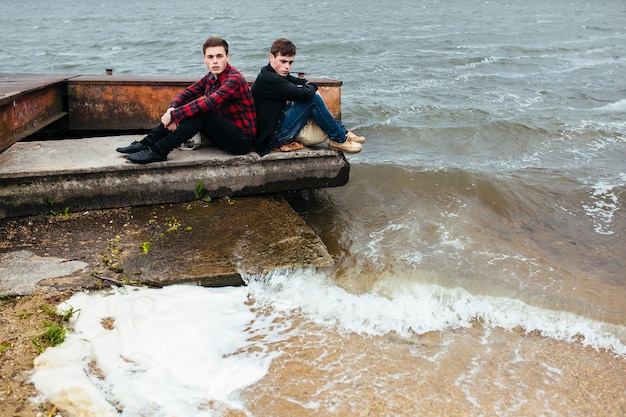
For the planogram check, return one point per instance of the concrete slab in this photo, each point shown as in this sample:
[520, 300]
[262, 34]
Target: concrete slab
[198, 243]
[86, 174]
[22, 270]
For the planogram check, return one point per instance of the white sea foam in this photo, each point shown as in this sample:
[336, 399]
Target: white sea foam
[167, 352]
[604, 203]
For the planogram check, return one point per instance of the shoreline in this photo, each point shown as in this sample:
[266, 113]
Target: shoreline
[45, 259]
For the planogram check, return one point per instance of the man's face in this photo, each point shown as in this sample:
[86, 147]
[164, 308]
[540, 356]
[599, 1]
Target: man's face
[282, 64]
[216, 59]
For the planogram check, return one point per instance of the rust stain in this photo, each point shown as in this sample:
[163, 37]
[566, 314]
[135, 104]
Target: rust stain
[113, 107]
[332, 98]
[26, 113]
[132, 106]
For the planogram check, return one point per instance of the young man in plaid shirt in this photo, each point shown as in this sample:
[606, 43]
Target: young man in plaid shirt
[219, 105]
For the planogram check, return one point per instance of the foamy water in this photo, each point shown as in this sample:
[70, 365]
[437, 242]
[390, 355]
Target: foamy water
[186, 350]
[155, 352]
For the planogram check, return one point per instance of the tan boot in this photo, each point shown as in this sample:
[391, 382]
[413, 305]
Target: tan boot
[352, 137]
[347, 146]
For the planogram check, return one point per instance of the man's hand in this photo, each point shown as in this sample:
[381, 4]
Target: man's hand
[166, 119]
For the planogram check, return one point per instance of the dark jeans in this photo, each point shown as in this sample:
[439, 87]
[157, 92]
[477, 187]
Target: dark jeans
[219, 130]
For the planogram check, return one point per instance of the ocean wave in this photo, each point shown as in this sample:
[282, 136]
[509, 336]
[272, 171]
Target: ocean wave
[523, 232]
[410, 308]
[617, 107]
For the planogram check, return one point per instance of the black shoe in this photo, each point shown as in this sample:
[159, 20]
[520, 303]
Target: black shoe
[133, 148]
[146, 156]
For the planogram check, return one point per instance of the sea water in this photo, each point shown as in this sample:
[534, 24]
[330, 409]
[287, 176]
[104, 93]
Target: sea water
[480, 240]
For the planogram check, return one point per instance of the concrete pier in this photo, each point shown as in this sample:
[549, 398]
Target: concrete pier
[76, 214]
[87, 174]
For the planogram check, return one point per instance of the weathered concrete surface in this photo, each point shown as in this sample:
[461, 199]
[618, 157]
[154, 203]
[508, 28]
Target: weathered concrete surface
[87, 174]
[22, 270]
[209, 244]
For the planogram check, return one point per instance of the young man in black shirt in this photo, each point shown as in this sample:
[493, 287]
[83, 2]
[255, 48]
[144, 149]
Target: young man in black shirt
[285, 103]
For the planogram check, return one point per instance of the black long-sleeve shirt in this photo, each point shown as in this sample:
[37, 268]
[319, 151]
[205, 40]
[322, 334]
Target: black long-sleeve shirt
[271, 93]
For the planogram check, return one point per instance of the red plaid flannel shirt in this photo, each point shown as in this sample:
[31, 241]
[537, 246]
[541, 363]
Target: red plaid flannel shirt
[227, 95]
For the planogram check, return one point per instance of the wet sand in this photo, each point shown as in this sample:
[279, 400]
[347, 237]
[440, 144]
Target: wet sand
[440, 373]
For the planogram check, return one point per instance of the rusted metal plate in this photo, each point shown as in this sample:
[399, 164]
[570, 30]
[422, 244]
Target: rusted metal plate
[332, 97]
[123, 103]
[14, 84]
[29, 103]
[119, 103]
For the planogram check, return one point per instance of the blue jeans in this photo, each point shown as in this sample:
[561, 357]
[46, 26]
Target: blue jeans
[297, 113]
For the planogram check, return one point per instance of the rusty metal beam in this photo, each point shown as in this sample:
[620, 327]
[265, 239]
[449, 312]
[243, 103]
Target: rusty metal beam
[123, 103]
[119, 103]
[29, 103]
[331, 93]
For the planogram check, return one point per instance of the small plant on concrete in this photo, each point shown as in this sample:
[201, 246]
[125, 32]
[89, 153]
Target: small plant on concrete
[154, 227]
[172, 224]
[55, 328]
[134, 282]
[145, 246]
[50, 203]
[200, 192]
[110, 257]
[4, 346]
[159, 229]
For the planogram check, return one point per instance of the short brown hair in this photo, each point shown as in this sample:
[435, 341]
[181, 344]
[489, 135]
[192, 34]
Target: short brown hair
[283, 47]
[211, 42]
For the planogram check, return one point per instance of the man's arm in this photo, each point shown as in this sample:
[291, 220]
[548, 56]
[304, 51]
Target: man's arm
[190, 93]
[226, 91]
[274, 87]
